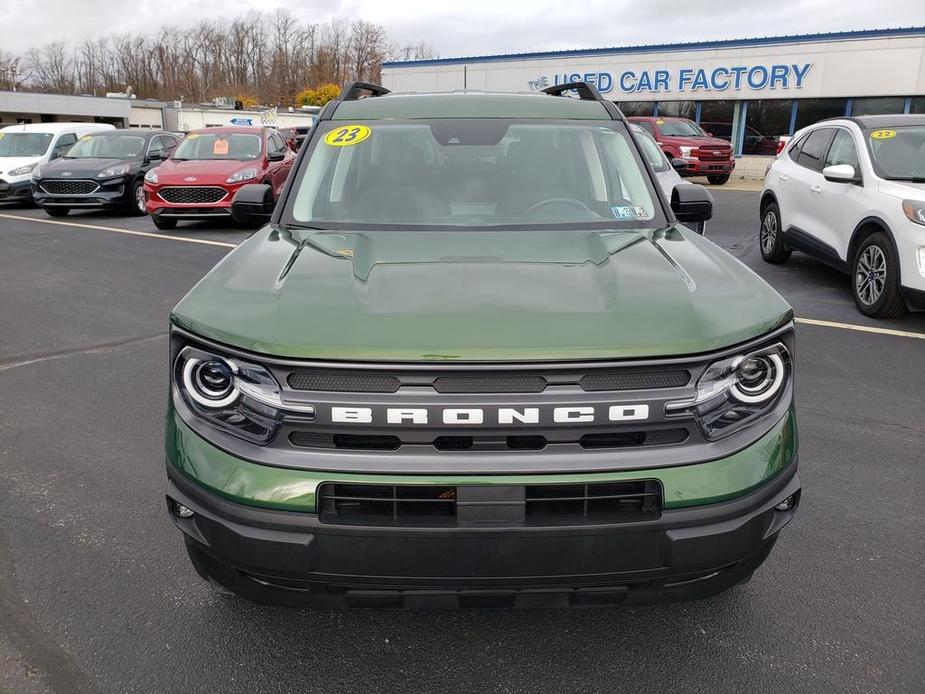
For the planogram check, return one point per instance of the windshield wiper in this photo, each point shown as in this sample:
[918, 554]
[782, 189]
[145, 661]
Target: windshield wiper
[310, 227]
[910, 179]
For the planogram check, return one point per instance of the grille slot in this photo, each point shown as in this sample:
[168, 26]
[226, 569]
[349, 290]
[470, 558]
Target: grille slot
[373, 504]
[55, 187]
[357, 442]
[635, 380]
[626, 439]
[192, 195]
[343, 382]
[607, 502]
[490, 384]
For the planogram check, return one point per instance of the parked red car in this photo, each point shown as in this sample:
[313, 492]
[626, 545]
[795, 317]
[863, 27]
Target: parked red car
[683, 139]
[202, 175]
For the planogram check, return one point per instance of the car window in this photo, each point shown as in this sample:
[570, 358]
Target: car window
[24, 144]
[812, 150]
[64, 143]
[647, 126]
[652, 152]
[158, 146]
[843, 151]
[277, 144]
[474, 173]
[794, 149]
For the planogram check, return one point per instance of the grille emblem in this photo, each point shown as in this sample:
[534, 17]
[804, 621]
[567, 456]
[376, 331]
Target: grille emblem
[190, 179]
[66, 173]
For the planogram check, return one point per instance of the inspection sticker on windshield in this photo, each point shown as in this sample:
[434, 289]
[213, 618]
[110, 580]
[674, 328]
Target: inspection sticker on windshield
[347, 135]
[627, 212]
[882, 134]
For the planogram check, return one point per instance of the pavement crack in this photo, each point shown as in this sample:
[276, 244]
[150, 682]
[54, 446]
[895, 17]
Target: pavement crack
[26, 360]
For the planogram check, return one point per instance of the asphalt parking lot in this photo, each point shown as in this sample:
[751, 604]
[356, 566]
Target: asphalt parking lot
[96, 593]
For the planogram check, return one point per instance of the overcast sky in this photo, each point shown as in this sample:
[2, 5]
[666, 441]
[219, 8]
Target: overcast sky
[471, 28]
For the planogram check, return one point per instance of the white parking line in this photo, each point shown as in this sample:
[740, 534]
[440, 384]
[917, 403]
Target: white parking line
[860, 328]
[226, 244]
[117, 230]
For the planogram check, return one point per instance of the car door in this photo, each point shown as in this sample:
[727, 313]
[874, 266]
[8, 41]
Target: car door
[840, 205]
[804, 184]
[279, 170]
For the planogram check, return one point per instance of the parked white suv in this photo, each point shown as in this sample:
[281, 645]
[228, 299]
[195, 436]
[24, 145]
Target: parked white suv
[851, 192]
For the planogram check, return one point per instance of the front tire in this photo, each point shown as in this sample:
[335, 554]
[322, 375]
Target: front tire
[57, 211]
[770, 238]
[718, 180]
[164, 223]
[137, 205]
[874, 275]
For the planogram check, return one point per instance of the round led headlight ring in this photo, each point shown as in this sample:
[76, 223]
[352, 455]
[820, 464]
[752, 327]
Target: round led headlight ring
[758, 378]
[210, 383]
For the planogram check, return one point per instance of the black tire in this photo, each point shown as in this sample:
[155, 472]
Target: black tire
[874, 275]
[164, 223]
[770, 238]
[136, 203]
[718, 180]
[57, 211]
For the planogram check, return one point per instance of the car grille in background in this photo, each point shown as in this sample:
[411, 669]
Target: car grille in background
[717, 153]
[530, 505]
[55, 187]
[192, 195]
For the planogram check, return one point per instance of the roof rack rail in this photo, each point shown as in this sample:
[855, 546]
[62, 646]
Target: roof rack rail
[586, 92]
[351, 92]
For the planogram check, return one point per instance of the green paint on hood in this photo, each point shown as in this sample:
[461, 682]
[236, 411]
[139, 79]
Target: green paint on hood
[480, 296]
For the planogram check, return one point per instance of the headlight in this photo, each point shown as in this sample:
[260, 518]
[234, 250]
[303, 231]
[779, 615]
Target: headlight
[151, 176]
[36, 172]
[22, 170]
[734, 392]
[914, 209]
[234, 395]
[686, 151]
[239, 176]
[119, 170]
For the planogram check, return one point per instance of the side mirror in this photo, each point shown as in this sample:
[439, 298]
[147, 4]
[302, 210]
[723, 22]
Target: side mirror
[252, 204]
[840, 173]
[157, 156]
[678, 164]
[276, 156]
[691, 203]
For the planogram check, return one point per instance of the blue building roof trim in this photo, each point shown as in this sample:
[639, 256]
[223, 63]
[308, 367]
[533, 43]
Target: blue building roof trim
[653, 48]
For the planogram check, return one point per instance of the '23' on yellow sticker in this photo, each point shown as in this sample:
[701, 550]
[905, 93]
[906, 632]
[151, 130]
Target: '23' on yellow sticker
[347, 135]
[883, 134]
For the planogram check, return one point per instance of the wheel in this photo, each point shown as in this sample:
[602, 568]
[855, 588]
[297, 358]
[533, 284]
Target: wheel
[770, 238]
[57, 211]
[164, 222]
[874, 279]
[718, 180]
[136, 205]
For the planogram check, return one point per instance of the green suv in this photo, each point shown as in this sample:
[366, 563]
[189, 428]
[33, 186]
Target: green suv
[475, 359]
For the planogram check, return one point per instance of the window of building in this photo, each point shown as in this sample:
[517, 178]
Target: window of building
[678, 109]
[811, 111]
[874, 105]
[765, 122]
[637, 108]
[918, 104]
[716, 118]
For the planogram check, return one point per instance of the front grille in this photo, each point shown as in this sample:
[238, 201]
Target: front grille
[343, 382]
[192, 195]
[635, 380]
[713, 153]
[490, 384]
[506, 505]
[56, 187]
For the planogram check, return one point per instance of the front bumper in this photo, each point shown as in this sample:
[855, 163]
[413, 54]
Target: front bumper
[160, 208]
[111, 193]
[19, 191]
[705, 540]
[910, 246]
[703, 167]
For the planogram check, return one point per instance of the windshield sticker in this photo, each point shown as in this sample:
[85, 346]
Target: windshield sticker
[2, 135]
[220, 147]
[347, 135]
[85, 137]
[627, 212]
[882, 134]
[192, 136]
[660, 122]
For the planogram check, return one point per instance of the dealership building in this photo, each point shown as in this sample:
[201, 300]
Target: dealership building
[742, 90]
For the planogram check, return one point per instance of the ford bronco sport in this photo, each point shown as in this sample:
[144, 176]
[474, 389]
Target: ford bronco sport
[473, 359]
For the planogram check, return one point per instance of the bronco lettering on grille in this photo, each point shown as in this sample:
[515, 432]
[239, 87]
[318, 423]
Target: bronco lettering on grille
[478, 415]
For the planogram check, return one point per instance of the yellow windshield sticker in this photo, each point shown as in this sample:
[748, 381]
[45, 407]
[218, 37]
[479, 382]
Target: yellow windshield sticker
[192, 136]
[347, 135]
[85, 137]
[882, 134]
[2, 135]
[660, 122]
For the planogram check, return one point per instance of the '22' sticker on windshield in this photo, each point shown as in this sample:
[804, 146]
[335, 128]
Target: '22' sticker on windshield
[347, 135]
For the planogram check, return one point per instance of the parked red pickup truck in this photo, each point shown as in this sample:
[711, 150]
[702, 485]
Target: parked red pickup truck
[683, 139]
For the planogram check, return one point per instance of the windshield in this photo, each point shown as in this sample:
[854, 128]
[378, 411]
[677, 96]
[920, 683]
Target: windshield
[680, 128]
[651, 151]
[109, 146]
[198, 146]
[24, 144]
[898, 153]
[474, 173]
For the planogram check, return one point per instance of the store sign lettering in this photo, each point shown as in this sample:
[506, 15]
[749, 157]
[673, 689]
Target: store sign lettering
[686, 79]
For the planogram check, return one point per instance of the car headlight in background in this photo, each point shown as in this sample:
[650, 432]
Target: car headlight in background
[244, 175]
[914, 209]
[151, 176]
[119, 170]
[234, 395]
[22, 170]
[686, 151]
[734, 392]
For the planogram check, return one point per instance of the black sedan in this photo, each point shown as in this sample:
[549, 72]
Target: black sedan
[102, 170]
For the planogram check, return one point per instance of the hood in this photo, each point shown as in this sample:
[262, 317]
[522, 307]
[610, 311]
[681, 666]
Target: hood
[206, 171]
[82, 167]
[903, 190]
[480, 296]
[7, 164]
